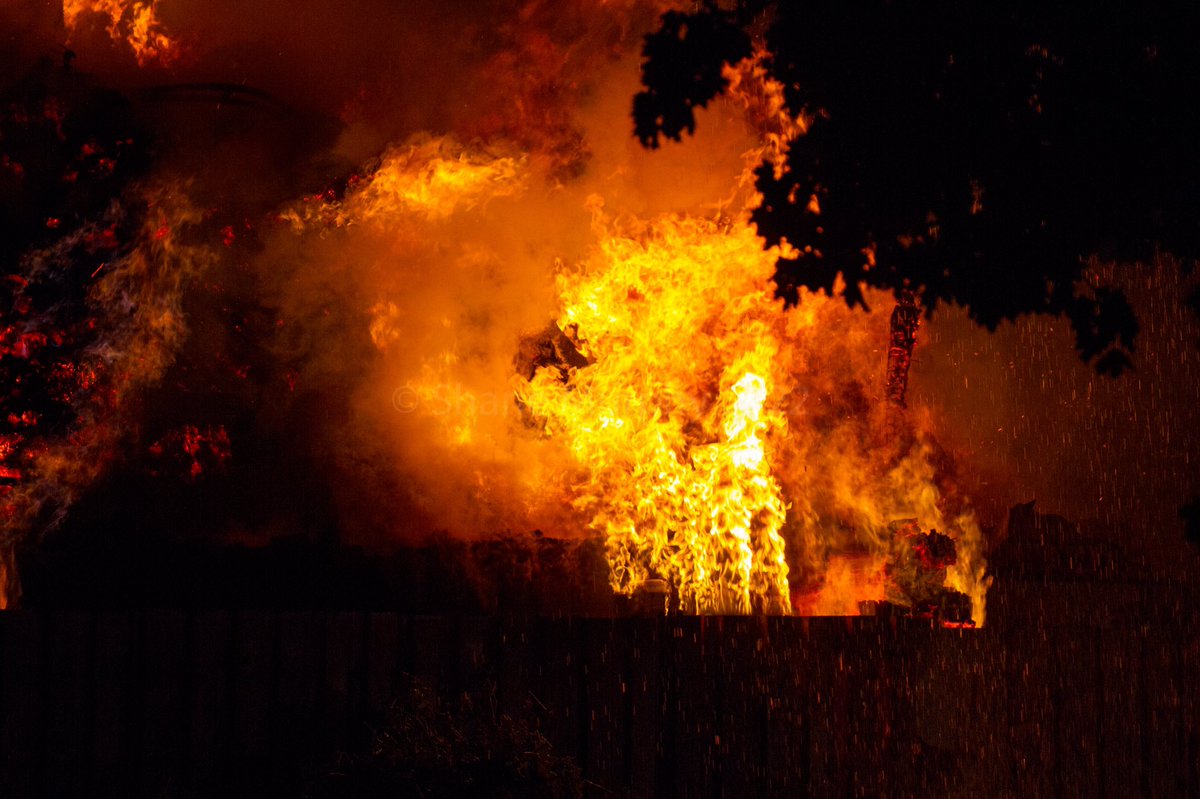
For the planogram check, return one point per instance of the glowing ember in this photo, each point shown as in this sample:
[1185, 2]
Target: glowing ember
[193, 450]
[128, 328]
[6, 572]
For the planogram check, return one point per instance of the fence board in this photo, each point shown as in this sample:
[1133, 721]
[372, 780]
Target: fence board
[120, 704]
[301, 669]
[741, 723]
[556, 682]
[68, 675]
[212, 700]
[110, 745]
[345, 680]
[166, 688]
[22, 691]
[1165, 739]
[1076, 697]
[643, 681]
[474, 663]
[1189, 678]
[1029, 689]
[865, 703]
[827, 705]
[1119, 742]
[693, 706]
[433, 650]
[383, 663]
[603, 653]
[514, 668]
[788, 680]
[254, 684]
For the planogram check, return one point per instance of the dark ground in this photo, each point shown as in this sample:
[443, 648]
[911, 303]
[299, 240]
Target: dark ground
[1083, 683]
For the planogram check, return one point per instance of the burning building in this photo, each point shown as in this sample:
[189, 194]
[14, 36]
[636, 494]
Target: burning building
[704, 433]
[406, 286]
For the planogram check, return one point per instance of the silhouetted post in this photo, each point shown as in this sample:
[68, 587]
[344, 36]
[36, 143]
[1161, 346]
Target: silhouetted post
[906, 318]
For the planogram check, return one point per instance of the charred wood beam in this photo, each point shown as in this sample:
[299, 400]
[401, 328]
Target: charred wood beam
[906, 319]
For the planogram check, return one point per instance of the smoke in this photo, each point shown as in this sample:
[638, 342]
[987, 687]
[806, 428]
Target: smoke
[406, 300]
[389, 190]
[428, 276]
[325, 346]
[414, 313]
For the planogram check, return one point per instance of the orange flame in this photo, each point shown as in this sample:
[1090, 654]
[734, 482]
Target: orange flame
[704, 451]
[671, 422]
[716, 440]
[135, 23]
[848, 581]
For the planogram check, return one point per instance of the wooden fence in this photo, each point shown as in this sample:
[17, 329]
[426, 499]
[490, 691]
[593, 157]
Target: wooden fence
[228, 703]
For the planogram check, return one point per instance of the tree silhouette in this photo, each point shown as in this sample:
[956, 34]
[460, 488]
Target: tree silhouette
[978, 152]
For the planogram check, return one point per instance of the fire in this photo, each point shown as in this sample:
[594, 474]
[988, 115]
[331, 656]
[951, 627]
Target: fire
[129, 337]
[429, 179]
[848, 581]
[735, 449]
[709, 454]
[659, 397]
[670, 422]
[135, 23]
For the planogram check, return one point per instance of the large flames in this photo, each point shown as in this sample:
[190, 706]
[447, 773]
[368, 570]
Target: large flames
[736, 449]
[552, 355]
[676, 419]
[720, 436]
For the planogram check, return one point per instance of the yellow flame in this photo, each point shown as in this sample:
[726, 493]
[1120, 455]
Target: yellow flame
[672, 421]
[430, 179]
[699, 421]
[715, 440]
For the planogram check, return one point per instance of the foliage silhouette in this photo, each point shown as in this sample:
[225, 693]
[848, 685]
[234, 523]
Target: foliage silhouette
[978, 152]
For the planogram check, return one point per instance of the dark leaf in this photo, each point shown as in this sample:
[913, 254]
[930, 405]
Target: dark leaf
[973, 145]
[682, 71]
